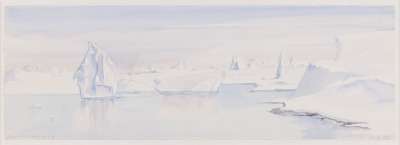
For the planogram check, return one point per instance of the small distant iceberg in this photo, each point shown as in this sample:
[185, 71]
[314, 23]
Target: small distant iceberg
[96, 75]
[338, 46]
[279, 70]
[286, 77]
[234, 64]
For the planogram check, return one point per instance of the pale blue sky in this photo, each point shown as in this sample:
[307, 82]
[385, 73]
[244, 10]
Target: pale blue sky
[25, 19]
[154, 32]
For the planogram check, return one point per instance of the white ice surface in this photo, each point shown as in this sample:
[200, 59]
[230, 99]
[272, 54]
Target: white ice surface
[356, 99]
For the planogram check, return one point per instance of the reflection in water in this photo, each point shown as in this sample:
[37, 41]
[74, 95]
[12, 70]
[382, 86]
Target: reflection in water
[193, 117]
[199, 102]
[94, 116]
[192, 103]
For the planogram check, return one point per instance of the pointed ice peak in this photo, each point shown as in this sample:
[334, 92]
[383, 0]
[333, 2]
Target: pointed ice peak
[91, 49]
[96, 75]
[337, 42]
[338, 46]
[234, 64]
[291, 60]
[279, 67]
[91, 44]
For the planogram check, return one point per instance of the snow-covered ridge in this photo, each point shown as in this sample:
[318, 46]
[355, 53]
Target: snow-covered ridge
[316, 78]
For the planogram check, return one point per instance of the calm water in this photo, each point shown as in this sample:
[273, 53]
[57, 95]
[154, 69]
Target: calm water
[234, 115]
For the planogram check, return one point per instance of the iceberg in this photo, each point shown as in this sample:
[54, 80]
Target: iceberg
[96, 75]
[278, 73]
[348, 100]
[317, 77]
[234, 64]
[338, 47]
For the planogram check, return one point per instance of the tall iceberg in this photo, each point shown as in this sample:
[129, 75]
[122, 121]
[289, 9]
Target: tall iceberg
[338, 46]
[96, 75]
[278, 73]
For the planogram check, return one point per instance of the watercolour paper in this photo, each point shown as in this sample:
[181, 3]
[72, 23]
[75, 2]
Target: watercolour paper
[203, 72]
